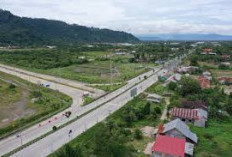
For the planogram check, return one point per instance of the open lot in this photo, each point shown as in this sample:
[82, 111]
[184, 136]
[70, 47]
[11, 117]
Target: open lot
[221, 73]
[23, 103]
[91, 67]
[98, 72]
[215, 140]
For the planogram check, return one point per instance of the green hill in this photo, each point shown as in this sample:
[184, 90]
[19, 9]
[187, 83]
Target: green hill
[17, 30]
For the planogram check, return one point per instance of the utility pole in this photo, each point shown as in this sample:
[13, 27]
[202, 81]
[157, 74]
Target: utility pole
[111, 71]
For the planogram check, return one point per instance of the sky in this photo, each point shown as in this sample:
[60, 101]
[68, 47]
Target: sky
[134, 16]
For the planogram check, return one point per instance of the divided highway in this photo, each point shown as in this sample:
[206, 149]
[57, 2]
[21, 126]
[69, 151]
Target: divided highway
[56, 140]
[102, 108]
[12, 142]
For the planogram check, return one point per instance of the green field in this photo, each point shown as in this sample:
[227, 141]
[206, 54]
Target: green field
[90, 67]
[23, 104]
[123, 125]
[98, 72]
[215, 140]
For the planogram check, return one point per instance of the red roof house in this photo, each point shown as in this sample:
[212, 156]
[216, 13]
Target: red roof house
[225, 57]
[204, 82]
[184, 113]
[198, 117]
[225, 80]
[165, 145]
[207, 50]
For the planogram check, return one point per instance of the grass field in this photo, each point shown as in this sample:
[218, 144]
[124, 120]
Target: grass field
[215, 140]
[89, 67]
[159, 89]
[86, 140]
[97, 72]
[23, 103]
[220, 73]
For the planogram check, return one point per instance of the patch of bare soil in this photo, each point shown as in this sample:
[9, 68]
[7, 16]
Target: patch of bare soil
[15, 111]
[148, 149]
[148, 131]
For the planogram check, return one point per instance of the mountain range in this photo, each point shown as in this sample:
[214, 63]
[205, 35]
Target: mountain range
[15, 30]
[184, 37]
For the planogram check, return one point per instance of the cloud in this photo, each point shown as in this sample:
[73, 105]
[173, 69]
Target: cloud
[138, 17]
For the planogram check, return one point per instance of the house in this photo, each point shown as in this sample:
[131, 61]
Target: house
[207, 75]
[212, 53]
[50, 47]
[159, 62]
[216, 43]
[175, 49]
[198, 104]
[225, 64]
[225, 80]
[120, 53]
[204, 82]
[206, 51]
[177, 128]
[225, 57]
[198, 117]
[187, 69]
[175, 77]
[228, 90]
[154, 98]
[171, 147]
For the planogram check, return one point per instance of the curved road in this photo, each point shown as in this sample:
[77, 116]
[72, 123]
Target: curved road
[112, 102]
[12, 142]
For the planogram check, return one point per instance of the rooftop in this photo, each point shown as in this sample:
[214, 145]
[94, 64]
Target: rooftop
[191, 114]
[181, 127]
[169, 145]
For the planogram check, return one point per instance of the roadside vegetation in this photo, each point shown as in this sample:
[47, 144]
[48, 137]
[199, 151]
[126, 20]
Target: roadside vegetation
[119, 135]
[24, 104]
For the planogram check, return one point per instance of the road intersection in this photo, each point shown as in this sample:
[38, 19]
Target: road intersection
[103, 107]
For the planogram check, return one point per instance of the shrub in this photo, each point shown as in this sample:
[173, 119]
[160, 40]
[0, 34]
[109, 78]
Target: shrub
[147, 109]
[208, 136]
[223, 67]
[36, 94]
[158, 110]
[172, 86]
[54, 128]
[138, 134]
[12, 86]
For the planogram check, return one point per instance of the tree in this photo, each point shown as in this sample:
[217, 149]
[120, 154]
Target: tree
[138, 134]
[157, 110]
[69, 151]
[193, 61]
[36, 94]
[229, 106]
[54, 128]
[189, 86]
[12, 86]
[172, 86]
[147, 109]
[109, 143]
